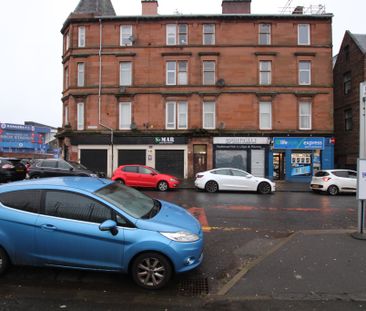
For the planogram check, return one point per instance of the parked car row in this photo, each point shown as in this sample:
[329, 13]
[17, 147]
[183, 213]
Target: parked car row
[332, 182]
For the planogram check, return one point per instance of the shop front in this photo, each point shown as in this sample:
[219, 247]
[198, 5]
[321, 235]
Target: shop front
[166, 154]
[298, 158]
[246, 153]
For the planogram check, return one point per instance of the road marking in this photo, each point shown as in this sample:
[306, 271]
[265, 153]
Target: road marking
[247, 208]
[199, 213]
[223, 291]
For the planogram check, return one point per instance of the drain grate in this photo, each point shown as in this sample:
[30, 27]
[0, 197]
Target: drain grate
[193, 287]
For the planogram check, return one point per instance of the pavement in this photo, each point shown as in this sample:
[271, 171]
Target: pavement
[322, 267]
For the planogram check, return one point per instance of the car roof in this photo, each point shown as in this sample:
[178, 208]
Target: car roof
[89, 184]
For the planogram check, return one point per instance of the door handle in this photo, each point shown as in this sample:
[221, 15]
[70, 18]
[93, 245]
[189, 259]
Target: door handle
[48, 227]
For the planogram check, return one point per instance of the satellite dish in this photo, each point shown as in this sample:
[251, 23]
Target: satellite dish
[220, 82]
[132, 38]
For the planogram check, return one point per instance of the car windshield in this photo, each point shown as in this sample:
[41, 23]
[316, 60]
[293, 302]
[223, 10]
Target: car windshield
[77, 165]
[129, 200]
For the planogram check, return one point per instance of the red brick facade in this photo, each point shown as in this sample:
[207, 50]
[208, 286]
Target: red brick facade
[351, 61]
[236, 54]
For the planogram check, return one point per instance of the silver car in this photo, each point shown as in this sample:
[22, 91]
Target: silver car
[334, 181]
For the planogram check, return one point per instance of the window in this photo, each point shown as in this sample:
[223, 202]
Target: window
[171, 38]
[304, 73]
[25, 200]
[348, 120]
[264, 34]
[176, 30]
[265, 115]
[81, 74]
[176, 111]
[347, 83]
[126, 35]
[172, 76]
[209, 75]
[265, 72]
[239, 173]
[125, 74]
[67, 41]
[305, 116]
[209, 115]
[209, 34]
[67, 78]
[130, 169]
[81, 37]
[125, 116]
[303, 34]
[47, 164]
[66, 116]
[182, 34]
[346, 52]
[74, 206]
[80, 116]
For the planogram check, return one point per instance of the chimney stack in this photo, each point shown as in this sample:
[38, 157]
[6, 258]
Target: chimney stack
[149, 7]
[236, 6]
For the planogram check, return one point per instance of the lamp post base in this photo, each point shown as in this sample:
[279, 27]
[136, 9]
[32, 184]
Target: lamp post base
[358, 235]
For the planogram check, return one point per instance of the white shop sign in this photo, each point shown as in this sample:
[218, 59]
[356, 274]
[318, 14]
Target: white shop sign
[241, 140]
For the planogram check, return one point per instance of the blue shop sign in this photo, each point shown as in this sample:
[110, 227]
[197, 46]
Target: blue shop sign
[310, 143]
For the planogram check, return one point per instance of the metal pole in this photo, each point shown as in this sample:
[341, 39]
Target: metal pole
[362, 155]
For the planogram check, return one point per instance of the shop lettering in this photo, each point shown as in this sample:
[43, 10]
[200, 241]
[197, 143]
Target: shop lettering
[164, 140]
[313, 143]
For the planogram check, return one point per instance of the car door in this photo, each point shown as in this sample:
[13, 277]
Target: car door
[131, 175]
[243, 181]
[147, 177]
[47, 168]
[352, 180]
[68, 234]
[343, 182]
[64, 168]
[18, 216]
[225, 179]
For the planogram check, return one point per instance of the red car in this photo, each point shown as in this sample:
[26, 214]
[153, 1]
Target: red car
[136, 175]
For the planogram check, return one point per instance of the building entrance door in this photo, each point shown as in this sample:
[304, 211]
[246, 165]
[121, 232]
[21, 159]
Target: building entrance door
[199, 158]
[279, 167]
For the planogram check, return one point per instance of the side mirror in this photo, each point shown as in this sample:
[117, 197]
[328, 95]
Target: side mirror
[249, 176]
[71, 169]
[109, 225]
[153, 174]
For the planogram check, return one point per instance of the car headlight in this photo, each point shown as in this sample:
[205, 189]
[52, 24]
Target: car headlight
[181, 236]
[172, 179]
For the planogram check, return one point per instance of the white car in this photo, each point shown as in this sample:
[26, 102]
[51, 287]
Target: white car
[334, 181]
[232, 179]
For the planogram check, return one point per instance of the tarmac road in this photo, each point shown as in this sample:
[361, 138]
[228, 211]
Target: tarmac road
[239, 229]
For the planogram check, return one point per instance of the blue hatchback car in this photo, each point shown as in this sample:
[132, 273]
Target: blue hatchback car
[96, 224]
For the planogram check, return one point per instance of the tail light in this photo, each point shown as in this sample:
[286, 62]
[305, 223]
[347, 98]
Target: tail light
[7, 166]
[326, 179]
[199, 175]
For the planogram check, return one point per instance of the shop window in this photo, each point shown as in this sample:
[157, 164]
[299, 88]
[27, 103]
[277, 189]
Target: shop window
[301, 164]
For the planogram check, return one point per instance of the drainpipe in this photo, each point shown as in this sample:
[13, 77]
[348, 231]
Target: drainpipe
[100, 92]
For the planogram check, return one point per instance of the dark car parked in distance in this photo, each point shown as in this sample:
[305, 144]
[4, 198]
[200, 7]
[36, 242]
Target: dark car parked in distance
[58, 167]
[11, 169]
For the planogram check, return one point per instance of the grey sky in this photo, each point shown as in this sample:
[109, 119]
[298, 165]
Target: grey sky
[30, 62]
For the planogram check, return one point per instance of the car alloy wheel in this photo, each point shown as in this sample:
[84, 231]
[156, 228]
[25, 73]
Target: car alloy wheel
[333, 190]
[151, 270]
[4, 261]
[212, 186]
[163, 186]
[264, 188]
